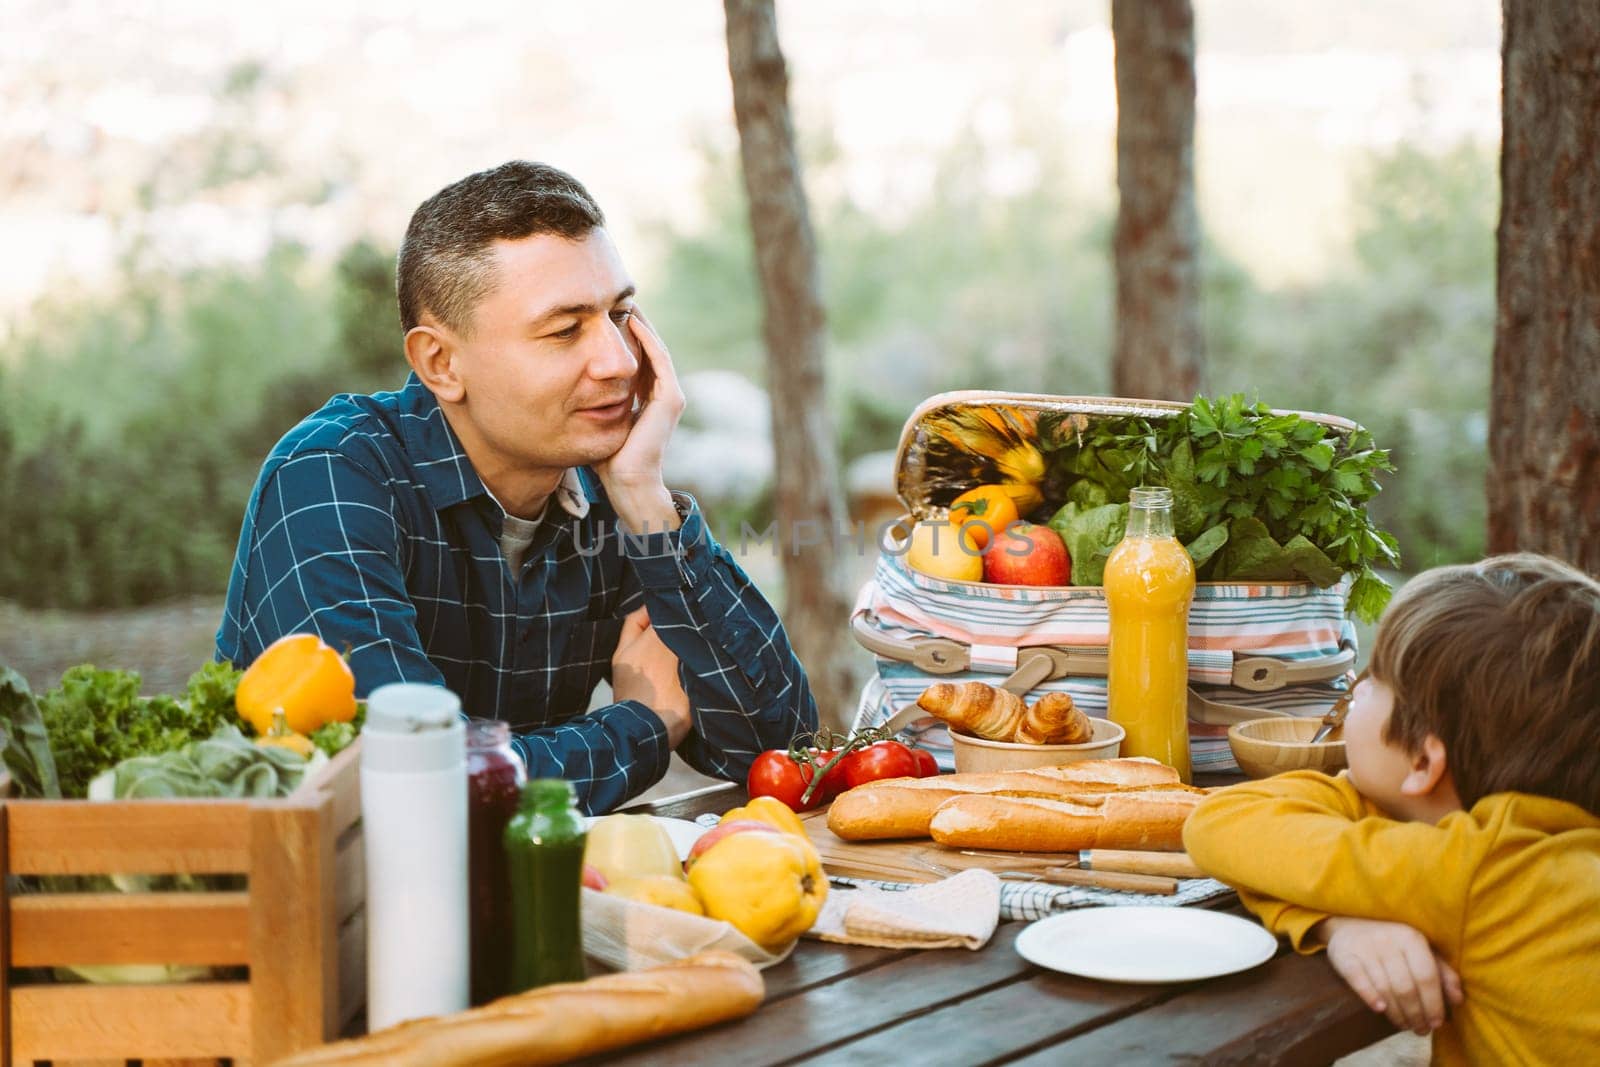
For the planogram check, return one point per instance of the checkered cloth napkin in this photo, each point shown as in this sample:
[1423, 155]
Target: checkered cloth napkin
[1035, 900]
[1031, 900]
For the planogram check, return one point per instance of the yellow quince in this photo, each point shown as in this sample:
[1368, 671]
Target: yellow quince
[769, 886]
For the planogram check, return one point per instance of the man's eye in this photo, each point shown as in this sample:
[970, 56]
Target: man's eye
[621, 316]
[569, 333]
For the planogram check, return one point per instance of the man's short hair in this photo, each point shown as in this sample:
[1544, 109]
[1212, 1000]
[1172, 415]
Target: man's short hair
[1501, 661]
[445, 268]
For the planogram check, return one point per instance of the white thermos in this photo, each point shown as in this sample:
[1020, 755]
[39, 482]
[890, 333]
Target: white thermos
[414, 814]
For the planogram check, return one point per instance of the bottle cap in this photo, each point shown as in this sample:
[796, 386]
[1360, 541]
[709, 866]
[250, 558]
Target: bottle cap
[412, 728]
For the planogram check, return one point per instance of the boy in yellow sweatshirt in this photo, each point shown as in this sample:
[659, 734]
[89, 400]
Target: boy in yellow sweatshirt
[1453, 872]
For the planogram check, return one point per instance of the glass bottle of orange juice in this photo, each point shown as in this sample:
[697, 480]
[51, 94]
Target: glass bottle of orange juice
[1149, 582]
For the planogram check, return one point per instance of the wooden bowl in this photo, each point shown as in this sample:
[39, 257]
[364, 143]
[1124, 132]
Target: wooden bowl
[975, 755]
[1265, 747]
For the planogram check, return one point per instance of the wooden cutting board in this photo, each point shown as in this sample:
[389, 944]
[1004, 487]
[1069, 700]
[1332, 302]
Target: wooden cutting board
[909, 860]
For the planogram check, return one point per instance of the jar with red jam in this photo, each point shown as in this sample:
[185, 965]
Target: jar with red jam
[495, 776]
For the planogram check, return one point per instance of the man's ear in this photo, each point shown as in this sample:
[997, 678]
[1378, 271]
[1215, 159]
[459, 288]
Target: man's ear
[431, 351]
[1429, 769]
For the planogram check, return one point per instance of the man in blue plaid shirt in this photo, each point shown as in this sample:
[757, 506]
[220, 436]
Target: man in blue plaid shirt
[500, 525]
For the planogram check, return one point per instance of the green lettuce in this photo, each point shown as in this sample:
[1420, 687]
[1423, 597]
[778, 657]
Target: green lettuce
[1090, 535]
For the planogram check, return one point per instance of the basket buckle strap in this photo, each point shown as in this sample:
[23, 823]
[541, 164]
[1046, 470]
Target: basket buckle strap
[1044, 663]
[1264, 674]
[936, 655]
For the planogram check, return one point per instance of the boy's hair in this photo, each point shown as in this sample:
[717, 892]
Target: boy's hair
[444, 265]
[1501, 661]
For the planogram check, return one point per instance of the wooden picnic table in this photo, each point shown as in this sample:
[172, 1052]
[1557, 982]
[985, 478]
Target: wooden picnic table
[849, 1004]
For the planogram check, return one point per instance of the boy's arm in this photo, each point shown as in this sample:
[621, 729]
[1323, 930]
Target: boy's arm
[1302, 846]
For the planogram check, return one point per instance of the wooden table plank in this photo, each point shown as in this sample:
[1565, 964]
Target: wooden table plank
[815, 963]
[1292, 1011]
[994, 1025]
[801, 1027]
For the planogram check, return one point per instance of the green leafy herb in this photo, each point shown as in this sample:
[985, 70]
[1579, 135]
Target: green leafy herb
[1256, 495]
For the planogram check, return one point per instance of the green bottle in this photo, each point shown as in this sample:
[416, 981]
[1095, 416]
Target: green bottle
[544, 857]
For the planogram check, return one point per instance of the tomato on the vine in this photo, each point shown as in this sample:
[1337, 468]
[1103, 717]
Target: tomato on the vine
[775, 774]
[927, 766]
[882, 759]
[832, 781]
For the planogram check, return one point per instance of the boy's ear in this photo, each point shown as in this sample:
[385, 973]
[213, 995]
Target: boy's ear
[1429, 768]
[430, 350]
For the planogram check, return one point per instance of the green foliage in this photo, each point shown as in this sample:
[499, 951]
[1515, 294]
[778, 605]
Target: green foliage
[128, 449]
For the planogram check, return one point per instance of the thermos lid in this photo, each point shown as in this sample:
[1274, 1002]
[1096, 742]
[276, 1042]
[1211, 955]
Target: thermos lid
[412, 727]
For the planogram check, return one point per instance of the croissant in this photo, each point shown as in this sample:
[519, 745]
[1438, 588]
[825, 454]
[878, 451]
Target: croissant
[975, 708]
[1054, 720]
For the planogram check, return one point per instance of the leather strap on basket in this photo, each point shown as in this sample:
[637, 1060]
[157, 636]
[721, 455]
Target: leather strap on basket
[1037, 664]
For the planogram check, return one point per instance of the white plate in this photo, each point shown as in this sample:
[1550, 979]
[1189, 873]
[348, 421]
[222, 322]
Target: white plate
[683, 832]
[1146, 944]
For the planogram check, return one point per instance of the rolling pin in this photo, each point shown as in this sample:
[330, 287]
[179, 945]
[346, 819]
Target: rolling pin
[1166, 864]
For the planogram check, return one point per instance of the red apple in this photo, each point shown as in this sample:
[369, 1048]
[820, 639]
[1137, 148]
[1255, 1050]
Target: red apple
[1027, 554]
[593, 879]
[721, 830]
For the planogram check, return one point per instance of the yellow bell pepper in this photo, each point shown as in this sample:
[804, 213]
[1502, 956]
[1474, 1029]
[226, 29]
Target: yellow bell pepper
[280, 736]
[304, 677]
[770, 887]
[771, 811]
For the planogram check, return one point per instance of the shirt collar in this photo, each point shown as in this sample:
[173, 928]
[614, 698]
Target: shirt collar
[442, 464]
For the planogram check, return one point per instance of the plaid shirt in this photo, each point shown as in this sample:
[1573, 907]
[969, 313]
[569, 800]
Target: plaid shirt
[369, 526]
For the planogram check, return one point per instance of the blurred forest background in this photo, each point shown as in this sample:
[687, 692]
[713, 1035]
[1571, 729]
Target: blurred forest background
[1348, 251]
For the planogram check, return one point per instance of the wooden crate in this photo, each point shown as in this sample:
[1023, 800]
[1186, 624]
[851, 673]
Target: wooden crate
[299, 926]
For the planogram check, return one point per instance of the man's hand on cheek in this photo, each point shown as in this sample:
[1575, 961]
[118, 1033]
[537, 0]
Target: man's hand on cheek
[633, 475]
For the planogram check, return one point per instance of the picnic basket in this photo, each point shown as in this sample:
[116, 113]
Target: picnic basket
[291, 945]
[1255, 648]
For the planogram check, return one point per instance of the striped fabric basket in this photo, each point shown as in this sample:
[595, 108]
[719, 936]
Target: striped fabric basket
[1255, 649]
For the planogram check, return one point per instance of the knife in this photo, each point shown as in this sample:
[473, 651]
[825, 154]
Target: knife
[1169, 864]
[1131, 883]
[1165, 864]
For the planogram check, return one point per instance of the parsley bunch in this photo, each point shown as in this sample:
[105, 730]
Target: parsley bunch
[1257, 496]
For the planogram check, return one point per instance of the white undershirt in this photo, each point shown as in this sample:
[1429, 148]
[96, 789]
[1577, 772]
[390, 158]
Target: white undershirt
[516, 535]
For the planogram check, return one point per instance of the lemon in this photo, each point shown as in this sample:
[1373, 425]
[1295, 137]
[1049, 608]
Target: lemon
[938, 551]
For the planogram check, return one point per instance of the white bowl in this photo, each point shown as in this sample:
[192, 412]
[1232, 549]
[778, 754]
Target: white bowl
[975, 755]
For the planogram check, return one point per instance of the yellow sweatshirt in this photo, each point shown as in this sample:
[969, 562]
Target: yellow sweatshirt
[1508, 893]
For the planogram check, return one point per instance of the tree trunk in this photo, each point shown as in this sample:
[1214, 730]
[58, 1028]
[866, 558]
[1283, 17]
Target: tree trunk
[1158, 348]
[810, 502]
[1544, 425]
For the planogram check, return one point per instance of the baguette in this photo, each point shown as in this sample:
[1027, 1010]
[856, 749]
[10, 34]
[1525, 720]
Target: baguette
[1138, 819]
[557, 1023]
[903, 807]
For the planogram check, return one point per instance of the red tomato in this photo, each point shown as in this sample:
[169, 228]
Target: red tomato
[774, 774]
[832, 782]
[885, 759]
[927, 766]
